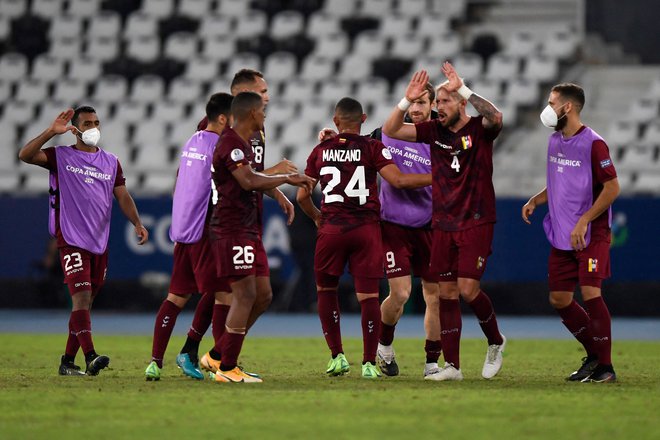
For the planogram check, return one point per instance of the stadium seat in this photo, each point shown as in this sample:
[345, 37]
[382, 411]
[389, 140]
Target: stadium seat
[184, 90]
[503, 67]
[150, 132]
[158, 183]
[280, 66]
[8, 147]
[5, 91]
[47, 68]
[334, 89]
[201, 68]
[168, 111]
[333, 46]
[647, 183]
[559, 44]
[110, 88]
[196, 9]
[487, 87]
[317, 111]
[14, 8]
[5, 28]
[181, 46]
[369, 45]
[297, 131]
[181, 132]
[46, 8]
[216, 25]
[430, 25]
[286, 24]
[114, 138]
[31, 90]
[412, 8]
[298, 89]
[35, 181]
[250, 24]
[443, 46]
[65, 26]
[394, 25]
[157, 8]
[106, 24]
[218, 48]
[65, 48]
[638, 158]
[48, 110]
[102, 49]
[317, 68]
[221, 84]
[139, 24]
[372, 89]
[651, 134]
[354, 67]
[339, 8]
[85, 68]
[84, 8]
[521, 44]
[643, 110]
[280, 112]
[407, 46]
[322, 24]
[522, 91]
[377, 8]
[9, 181]
[70, 90]
[654, 89]
[468, 64]
[232, 8]
[144, 49]
[130, 112]
[155, 157]
[147, 88]
[245, 60]
[540, 68]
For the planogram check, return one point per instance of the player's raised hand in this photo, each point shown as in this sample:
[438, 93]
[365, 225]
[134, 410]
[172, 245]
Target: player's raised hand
[142, 234]
[285, 166]
[326, 133]
[417, 85]
[528, 210]
[61, 124]
[302, 181]
[455, 81]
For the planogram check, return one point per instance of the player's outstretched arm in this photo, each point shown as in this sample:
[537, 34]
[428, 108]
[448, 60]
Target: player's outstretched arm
[394, 127]
[31, 153]
[251, 180]
[492, 115]
[400, 180]
[284, 202]
[127, 206]
[532, 203]
[304, 199]
[285, 166]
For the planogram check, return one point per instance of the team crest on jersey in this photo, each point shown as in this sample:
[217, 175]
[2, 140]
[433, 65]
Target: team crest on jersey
[592, 265]
[480, 262]
[386, 154]
[342, 140]
[237, 154]
[466, 141]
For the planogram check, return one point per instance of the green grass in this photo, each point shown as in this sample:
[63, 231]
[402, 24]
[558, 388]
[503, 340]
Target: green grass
[529, 399]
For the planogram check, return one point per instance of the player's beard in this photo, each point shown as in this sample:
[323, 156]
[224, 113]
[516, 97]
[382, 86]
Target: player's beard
[561, 122]
[451, 121]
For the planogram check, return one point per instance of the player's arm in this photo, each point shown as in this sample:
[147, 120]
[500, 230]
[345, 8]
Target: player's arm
[394, 127]
[251, 180]
[285, 166]
[400, 180]
[492, 116]
[284, 202]
[532, 203]
[31, 152]
[304, 199]
[127, 206]
[604, 200]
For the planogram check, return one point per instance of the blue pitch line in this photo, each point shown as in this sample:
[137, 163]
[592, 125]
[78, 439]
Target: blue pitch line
[307, 325]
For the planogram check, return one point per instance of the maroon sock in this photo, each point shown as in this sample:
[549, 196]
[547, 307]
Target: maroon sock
[386, 333]
[328, 309]
[433, 349]
[202, 319]
[601, 329]
[576, 321]
[81, 323]
[231, 344]
[370, 311]
[451, 324]
[72, 343]
[165, 320]
[483, 309]
[220, 312]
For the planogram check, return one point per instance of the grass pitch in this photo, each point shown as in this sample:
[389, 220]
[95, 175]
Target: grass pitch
[528, 399]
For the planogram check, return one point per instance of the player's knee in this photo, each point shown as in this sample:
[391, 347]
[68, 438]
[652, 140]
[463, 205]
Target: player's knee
[263, 299]
[399, 297]
[178, 300]
[81, 300]
[559, 301]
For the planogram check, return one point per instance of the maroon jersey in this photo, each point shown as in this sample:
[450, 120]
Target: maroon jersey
[462, 164]
[54, 198]
[602, 170]
[346, 167]
[236, 211]
[258, 143]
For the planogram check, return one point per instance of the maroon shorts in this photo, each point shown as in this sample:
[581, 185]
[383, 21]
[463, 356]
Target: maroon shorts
[238, 257]
[361, 248]
[83, 270]
[405, 249]
[461, 254]
[588, 267]
[194, 269]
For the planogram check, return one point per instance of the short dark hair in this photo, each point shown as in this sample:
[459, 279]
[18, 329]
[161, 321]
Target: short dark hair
[79, 110]
[219, 104]
[244, 102]
[349, 109]
[244, 76]
[572, 92]
[431, 89]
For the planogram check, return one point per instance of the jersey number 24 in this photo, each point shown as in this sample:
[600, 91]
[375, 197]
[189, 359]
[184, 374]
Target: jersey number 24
[356, 186]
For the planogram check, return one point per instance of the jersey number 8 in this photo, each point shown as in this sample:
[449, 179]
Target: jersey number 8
[356, 186]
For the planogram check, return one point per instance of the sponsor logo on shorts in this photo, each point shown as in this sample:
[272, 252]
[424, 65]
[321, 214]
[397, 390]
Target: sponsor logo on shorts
[84, 283]
[396, 269]
[592, 265]
[72, 271]
[446, 274]
[243, 266]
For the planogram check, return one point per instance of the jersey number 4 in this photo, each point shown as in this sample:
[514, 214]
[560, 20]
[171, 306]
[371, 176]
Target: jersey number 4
[356, 186]
[455, 164]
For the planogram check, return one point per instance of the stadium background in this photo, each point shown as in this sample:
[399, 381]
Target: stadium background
[148, 68]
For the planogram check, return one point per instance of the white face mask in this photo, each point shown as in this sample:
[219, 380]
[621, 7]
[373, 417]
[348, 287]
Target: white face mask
[91, 137]
[549, 117]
